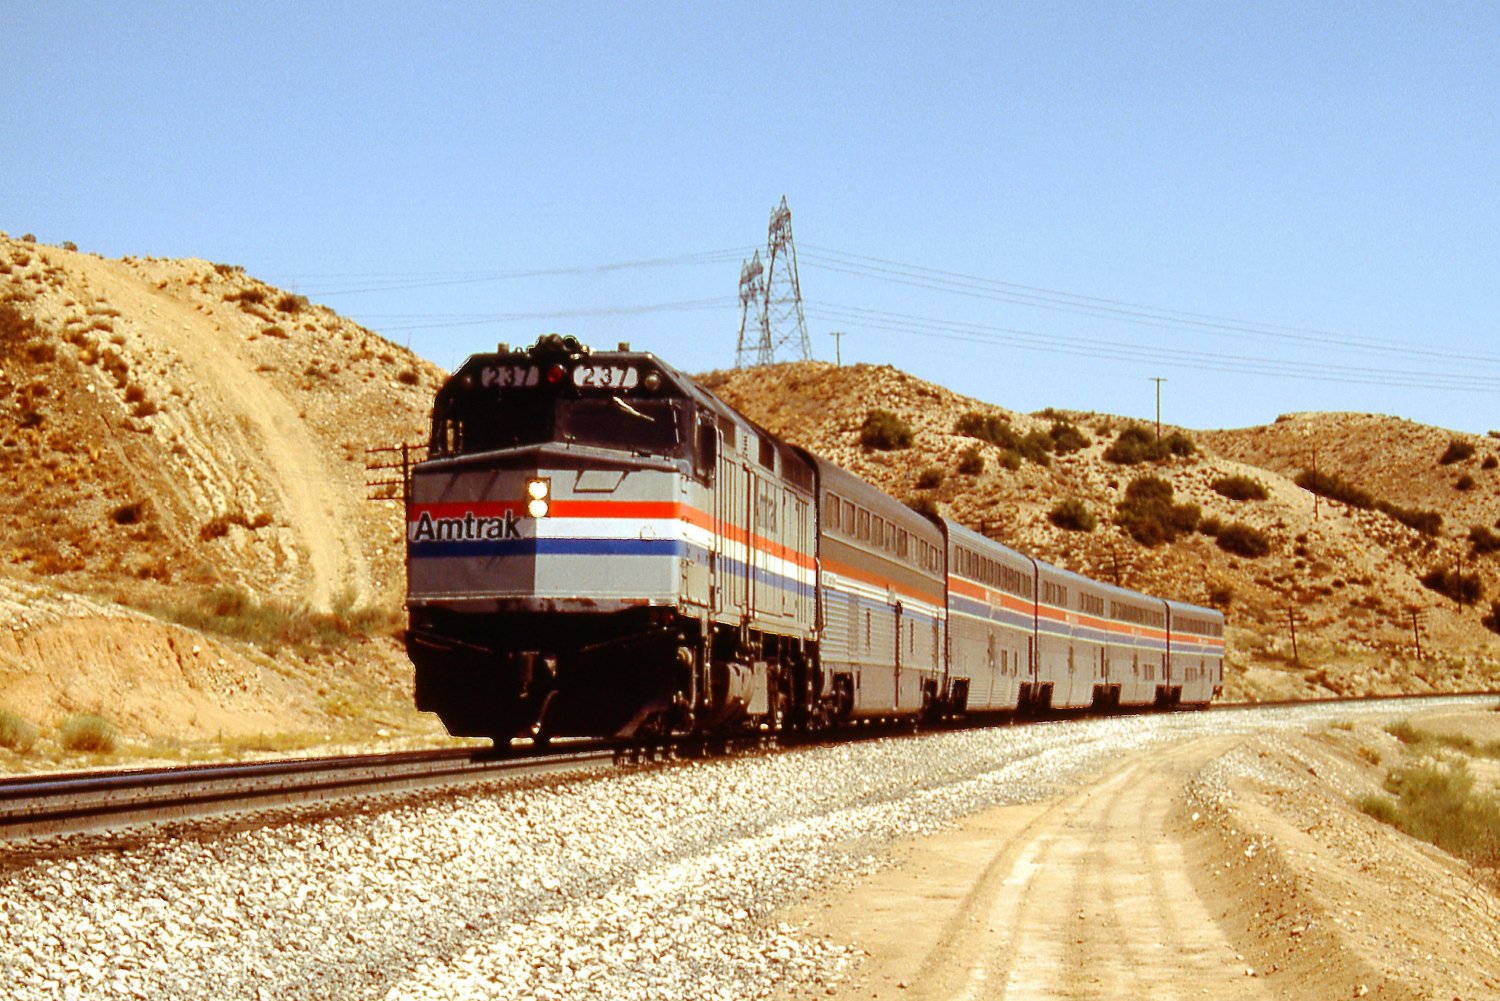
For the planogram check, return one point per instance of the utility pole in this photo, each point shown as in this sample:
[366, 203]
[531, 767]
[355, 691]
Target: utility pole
[838, 344]
[1315, 482]
[1158, 382]
[1416, 636]
[1458, 592]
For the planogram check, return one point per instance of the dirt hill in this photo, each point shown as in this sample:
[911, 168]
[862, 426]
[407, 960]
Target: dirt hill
[186, 547]
[186, 446]
[1346, 577]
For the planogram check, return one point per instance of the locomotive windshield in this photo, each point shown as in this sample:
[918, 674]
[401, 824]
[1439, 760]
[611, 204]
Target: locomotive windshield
[485, 423]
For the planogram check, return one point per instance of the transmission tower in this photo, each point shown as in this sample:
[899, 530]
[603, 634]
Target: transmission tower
[752, 296]
[779, 309]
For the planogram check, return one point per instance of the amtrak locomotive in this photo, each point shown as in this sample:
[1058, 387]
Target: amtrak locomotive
[598, 546]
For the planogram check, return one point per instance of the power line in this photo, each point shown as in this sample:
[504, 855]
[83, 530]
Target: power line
[398, 282]
[476, 320]
[1098, 348]
[976, 286]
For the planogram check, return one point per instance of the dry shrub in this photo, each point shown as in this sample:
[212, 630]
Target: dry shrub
[93, 734]
[1438, 803]
[129, 514]
[1149, 515]
[16, 734]
[1457, 451]
[885, 431]
[1073, 515]
[1243, 540]
[1240, 488]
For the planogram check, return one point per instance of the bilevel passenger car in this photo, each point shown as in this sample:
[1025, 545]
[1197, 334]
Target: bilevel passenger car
[598, 546]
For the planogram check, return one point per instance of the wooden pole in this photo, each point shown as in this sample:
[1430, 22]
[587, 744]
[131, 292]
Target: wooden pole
[1291, 618]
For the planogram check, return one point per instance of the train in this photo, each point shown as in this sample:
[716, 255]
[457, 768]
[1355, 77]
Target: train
[598, 546]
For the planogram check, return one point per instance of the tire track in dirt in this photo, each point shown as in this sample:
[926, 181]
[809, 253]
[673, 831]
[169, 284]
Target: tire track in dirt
[1087, 897]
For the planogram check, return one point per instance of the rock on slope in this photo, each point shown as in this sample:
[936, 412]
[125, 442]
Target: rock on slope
[1347, 578]
[171, 431]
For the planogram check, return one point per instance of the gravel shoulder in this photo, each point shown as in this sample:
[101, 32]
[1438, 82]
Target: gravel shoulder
[684, 881]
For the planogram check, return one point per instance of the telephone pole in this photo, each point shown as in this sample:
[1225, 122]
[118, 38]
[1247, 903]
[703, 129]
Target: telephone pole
[838, 344]
[1158, 382]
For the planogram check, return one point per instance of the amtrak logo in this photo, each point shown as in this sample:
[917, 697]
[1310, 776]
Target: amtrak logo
[469, 528]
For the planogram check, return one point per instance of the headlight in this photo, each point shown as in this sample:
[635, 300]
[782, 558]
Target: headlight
[538, 489]
[537, 508]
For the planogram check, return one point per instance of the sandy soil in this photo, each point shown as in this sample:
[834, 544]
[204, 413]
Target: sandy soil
[1233, 867]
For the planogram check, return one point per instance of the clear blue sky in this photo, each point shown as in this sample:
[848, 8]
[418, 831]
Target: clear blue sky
[1276, 207]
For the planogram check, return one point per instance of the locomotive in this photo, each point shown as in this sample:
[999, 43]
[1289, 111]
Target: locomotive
[599, 546]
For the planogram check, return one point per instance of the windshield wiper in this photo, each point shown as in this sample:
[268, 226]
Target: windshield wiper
[631, 410]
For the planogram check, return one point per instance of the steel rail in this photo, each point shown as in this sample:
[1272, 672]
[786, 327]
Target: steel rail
[40, 805]
[33, 806]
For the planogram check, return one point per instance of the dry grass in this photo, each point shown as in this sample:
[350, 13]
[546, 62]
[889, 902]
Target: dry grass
[91, 734]
[277, 625]
[16, 734]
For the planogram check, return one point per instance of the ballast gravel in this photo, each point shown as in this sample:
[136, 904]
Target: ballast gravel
[656, 883]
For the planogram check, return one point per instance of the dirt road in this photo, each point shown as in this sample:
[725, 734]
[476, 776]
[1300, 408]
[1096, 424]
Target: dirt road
[1085, 897]
[1140, 883]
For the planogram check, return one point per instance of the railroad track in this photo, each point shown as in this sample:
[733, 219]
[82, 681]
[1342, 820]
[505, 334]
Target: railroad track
[42, 805]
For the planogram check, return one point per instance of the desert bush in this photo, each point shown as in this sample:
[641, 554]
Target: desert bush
[17, 331]
[1149, 515]
[247, 297]
[923, 504]
[1132, 446]
[1073, 515]
[1243, 540]
[1210, 525]
[1466, 589]
[1334, 488]
[971, 461]
[996, 430]
[1492, 623]
[992, 428]
[1010, 460]
[408, 377]
[228, 611]
[275, 331]
[1465, 482]
[1483, 540]
[1178, 444]
[93, 734]
[290, 303]
[129, 514]
[1066, 438]
[218, 526]
[1457, 451]
[885, 431]
[930, 478]
[1438, 803]
[1221, 596]
[1426, 522]
[16, 734]
[1239, 488]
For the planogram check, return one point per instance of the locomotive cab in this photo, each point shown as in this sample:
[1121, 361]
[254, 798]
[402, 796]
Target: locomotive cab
[549, 555]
